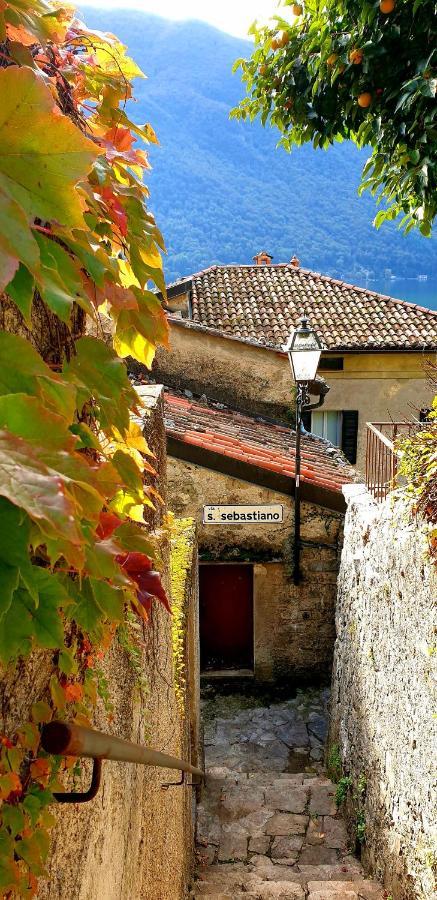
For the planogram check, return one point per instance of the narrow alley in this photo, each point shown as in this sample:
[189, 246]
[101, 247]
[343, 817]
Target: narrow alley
[268, 824]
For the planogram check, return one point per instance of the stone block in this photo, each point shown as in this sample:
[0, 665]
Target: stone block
[259, 844]
[283, 798]
[294, 734]
[233, 844]
[285, 824]
[315, 833]
[287, 847]
[335, 833]
[322, 799]
[318, 855]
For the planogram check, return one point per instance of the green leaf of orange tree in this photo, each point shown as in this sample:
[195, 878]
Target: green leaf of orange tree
[100, 374]
[43, 154]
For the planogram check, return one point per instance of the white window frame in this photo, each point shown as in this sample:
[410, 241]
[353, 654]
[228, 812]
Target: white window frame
[324, 413]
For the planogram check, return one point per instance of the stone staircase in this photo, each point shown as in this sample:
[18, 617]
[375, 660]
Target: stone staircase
[264, 831]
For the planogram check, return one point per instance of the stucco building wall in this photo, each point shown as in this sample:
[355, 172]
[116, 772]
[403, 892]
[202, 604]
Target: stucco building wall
[381, 386]
[293, 625]
[383, 693]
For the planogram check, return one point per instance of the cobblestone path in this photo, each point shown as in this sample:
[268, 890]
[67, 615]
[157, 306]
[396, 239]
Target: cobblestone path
[268, 826]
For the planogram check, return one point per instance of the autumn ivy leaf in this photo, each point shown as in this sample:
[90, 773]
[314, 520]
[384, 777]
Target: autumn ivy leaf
[17, 243]
[100, 374]
[85, 611]
[21, 290]
[9, 578]
[30, 849]
[60, 283]
[67, 663]
[33, 376]
[109, 598]
[129, 472]
[47, 625]
[13, 818]
[28, 418]
[15, 629]
[139, 331]
[28, 483]
[41, 712]
[40, 174]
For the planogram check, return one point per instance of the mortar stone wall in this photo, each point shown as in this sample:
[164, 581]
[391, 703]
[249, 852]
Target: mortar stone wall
[383, 694]
[294, 625]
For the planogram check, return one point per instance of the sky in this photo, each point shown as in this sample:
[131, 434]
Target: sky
[232, 16]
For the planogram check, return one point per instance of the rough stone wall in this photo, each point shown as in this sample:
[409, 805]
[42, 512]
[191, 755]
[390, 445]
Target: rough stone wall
[294, 626]
[133, 840]
[383, 696]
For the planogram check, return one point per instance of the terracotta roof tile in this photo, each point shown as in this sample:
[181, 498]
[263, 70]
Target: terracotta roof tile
[255, 441]
[262, 304]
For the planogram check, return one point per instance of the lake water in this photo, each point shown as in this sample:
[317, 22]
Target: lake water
[424, 293]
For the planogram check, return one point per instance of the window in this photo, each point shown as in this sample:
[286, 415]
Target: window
[327, 424]
[340, 427]
[331, 364]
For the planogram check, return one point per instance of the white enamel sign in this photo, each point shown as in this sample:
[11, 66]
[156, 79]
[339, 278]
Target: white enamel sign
[239, 515]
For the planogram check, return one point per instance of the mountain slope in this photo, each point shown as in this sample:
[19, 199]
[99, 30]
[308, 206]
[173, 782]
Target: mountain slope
[221, 190]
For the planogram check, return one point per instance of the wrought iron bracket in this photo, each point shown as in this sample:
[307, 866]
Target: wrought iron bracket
[83, 796]
[183, 780]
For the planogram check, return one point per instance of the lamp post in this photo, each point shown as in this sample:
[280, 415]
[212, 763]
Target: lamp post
[303, 349]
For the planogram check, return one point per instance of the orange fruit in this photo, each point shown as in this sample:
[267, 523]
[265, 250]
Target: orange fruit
[365, 99]
[356, 57]
[297, 9]
[275, 44]
[263, 70]
[387, 6]
[284, 38]
[332, 59]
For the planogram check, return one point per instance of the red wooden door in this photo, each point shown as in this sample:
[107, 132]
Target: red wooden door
[226, 616]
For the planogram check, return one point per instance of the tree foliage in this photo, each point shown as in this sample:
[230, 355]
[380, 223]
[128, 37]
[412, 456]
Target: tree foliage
[76, 239]
[362, 71]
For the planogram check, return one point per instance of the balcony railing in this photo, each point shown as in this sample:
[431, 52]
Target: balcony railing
[381, 457]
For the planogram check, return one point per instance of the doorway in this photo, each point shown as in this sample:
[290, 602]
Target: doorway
[226, 617]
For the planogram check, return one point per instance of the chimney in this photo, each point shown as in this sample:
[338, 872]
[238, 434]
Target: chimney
[262, 258]
[294, 261]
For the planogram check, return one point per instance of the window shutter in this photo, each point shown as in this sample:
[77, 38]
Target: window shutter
[306, 420]
[349, 433]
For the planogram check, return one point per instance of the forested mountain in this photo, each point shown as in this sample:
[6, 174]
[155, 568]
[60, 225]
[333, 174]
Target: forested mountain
[221, 190]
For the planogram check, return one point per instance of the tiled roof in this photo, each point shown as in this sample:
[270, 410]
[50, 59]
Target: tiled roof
[255, 441]
[262, 304]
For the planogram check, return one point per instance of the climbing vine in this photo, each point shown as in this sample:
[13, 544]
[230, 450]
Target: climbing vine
[180, 562]
[76, 241]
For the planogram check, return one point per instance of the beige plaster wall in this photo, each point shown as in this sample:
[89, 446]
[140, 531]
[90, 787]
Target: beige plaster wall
[381, 386]
[294, 626]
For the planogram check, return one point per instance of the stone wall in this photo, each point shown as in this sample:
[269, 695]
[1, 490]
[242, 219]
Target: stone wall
[134, 840]
[383, 698]
[294, 626]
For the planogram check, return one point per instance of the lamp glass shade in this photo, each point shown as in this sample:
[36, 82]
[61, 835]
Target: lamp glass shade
[304, 350]
[304, 364]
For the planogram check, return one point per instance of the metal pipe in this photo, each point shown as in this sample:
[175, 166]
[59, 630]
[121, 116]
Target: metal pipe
[65, 739]
[296, 548]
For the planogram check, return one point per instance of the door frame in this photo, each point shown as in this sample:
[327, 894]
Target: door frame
[228, 673]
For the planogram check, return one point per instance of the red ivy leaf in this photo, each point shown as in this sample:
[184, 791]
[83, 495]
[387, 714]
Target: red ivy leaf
[108, 522]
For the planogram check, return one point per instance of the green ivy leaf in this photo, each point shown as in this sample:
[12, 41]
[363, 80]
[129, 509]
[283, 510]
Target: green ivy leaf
[13, 818]
[21, 290]
[101, 374]
[17, 243]
[9, 578]
[109, 599]
[47, 625]
[16, 629]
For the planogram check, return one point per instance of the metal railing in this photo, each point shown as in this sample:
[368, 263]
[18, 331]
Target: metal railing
[381, 457]
[68, 739]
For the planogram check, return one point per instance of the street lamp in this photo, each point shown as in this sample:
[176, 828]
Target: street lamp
[303, 349]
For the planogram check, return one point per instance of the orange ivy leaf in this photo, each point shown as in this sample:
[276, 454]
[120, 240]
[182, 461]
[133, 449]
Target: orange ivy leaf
[73, 692]
[9, 784]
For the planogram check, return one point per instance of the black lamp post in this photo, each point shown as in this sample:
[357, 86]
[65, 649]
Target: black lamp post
[304, 349]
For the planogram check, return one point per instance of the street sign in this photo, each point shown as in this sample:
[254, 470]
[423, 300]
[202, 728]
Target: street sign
[241, 515]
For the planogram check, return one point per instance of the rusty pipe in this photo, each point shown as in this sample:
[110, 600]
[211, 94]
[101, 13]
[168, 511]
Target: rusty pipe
[67, 739]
